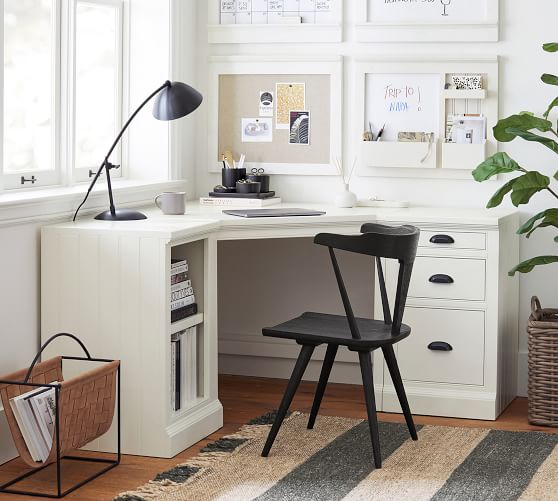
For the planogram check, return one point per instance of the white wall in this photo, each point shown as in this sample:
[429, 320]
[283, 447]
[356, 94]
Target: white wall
[523, 30]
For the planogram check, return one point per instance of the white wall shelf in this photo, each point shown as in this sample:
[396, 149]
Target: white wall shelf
[464, 94]
[274, 33]
[186, 323]
[402, 159]
[399, 154]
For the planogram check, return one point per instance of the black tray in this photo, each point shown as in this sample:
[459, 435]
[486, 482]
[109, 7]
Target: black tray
[267, 194]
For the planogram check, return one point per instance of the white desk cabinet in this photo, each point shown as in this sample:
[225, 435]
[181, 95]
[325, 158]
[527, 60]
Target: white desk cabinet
[109, 284]
[475, 314]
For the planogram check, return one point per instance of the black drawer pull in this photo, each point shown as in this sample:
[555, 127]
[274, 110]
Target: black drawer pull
[440, 346]
[442, 239]
[441, 279]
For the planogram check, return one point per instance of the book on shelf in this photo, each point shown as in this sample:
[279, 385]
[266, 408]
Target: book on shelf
[239, 202]
[181, 293]
[184, 312]
[178, 278]
[182, 284]
[179, 303]
[34, 412]
[184, 379]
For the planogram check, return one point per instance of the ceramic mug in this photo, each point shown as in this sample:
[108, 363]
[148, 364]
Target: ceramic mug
[171, 202]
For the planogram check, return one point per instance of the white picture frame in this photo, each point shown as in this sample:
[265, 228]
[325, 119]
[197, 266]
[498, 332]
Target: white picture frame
[398, 159]
[273, 33]
[414, 30]
[278, 65]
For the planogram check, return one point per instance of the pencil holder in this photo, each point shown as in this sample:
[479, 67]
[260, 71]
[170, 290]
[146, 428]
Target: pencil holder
[229, 177]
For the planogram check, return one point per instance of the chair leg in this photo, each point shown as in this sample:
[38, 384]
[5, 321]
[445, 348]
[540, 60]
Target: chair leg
[368, 383]
[322, 383]
[391, 362]
[298, 371]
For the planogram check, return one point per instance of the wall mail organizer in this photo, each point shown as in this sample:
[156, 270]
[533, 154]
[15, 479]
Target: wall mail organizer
[265, 21]
[434, 115]
[69, 414]
[284, 114]
[427, 20]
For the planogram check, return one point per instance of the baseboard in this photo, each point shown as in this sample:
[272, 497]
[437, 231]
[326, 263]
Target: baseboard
[281, 368]
[7, 447]
[448, 402]
[522, 373]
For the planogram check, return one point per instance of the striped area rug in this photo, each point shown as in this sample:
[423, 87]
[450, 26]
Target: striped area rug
[334, 462]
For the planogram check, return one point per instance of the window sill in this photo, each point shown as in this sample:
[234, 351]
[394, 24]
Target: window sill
[50, 204]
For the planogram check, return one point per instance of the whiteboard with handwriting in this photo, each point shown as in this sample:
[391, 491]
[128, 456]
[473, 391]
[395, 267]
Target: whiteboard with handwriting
[403, 102]
[428, 11]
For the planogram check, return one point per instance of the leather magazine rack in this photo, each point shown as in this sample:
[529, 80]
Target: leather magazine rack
[85, 408]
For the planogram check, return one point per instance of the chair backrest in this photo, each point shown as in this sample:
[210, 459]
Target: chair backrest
[379, 241]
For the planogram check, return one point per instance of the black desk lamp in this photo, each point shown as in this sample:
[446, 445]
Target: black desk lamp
[175, 100]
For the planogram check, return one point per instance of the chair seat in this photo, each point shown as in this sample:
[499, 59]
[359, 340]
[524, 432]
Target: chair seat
[319, 328]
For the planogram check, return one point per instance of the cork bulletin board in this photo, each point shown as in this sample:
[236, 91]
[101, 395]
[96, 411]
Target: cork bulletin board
[239, 97]
[285, 116]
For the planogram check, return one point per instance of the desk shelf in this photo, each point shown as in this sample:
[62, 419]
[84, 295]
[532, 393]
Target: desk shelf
[112, 289]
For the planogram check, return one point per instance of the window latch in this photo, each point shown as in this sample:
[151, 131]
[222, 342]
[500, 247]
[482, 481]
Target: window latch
[33, 180]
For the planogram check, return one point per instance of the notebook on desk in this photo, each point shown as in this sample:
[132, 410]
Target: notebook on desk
[273, 212]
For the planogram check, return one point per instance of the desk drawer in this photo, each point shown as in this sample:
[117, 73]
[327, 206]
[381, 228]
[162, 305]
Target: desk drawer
[447, 278]
[452, 240]
[462, 330]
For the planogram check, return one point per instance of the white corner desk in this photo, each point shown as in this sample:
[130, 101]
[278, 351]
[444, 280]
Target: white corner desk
[109, 284]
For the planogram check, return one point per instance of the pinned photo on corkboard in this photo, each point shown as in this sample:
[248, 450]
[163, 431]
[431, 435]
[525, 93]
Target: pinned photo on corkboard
[290, 96]
[299, 126]
[266, 103]
[257, 130]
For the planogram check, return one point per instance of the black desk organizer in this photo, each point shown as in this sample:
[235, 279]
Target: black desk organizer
[69, 434]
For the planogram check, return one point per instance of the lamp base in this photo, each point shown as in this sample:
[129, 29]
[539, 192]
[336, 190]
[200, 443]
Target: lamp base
[121, 215]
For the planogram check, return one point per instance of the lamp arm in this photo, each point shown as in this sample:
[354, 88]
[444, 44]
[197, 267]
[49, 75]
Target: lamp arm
[106, 159]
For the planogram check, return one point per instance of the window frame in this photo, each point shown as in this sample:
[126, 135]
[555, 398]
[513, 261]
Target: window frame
[65, 173]
[42, 178]
[84, 174]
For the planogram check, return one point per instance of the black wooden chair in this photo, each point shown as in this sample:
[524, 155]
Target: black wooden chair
[358, 334]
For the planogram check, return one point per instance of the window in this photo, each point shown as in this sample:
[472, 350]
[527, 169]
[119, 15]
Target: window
[62, 89]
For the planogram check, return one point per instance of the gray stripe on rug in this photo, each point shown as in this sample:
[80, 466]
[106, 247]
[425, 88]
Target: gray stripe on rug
[338, 468]
[499, 468]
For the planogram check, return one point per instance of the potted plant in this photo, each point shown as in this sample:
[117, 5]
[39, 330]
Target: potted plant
[530, 182]
[543, 323]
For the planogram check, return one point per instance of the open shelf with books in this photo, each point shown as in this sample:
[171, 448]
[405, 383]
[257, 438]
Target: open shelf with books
[119, 304]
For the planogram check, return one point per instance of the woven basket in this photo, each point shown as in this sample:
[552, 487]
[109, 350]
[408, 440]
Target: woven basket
[542, 329]
[85, 408]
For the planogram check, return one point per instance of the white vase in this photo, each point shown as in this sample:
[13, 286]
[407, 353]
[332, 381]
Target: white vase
[345, 198]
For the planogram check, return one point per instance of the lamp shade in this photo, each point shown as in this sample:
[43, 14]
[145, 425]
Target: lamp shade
[176, 101]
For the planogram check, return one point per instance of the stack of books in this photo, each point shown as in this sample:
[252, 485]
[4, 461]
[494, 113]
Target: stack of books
[182, 300]
[239, 202]
[35, 414]
[184, 378]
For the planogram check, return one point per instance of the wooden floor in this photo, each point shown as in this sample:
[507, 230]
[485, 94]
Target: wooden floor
[245, 398]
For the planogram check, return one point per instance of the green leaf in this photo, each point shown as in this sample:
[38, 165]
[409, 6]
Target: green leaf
[551, 106]
[521, 122]
[500, 163]
[549, 218]
[549, 79]
[556, 239]
[500, 194]
[550, 47]
[556, 175]
[526, 186]
[529, 264]
[529, 136]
